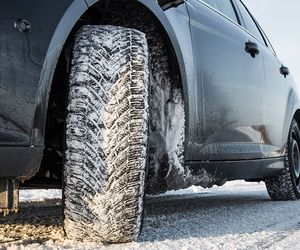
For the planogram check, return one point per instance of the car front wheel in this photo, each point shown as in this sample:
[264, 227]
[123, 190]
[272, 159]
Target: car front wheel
[106, 135]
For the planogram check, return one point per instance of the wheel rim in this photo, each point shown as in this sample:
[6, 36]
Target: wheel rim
[295, 159]
[295, 156]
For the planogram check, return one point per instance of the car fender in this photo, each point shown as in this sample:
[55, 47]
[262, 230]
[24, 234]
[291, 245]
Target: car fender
[60, 36]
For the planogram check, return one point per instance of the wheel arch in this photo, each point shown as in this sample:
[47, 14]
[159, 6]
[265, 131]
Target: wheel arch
[297, 116]
[76, 16]
[158, 13]
[56, 64]
[292, 112]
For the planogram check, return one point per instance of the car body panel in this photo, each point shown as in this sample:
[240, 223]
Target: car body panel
[64, 25]
[281, 98]
[221, 126]
[255, 169]
[20, 162]
[28, 61]
[278, 103]
[229, 88]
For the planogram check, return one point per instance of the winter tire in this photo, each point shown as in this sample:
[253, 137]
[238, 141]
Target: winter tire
[286, 186]
[106, 135]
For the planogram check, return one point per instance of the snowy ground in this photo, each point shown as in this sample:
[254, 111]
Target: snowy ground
[237, 216]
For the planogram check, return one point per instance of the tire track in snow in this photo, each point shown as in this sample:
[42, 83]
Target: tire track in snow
[237, 216]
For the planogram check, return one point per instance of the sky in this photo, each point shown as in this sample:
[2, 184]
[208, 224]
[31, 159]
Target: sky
[280, 19]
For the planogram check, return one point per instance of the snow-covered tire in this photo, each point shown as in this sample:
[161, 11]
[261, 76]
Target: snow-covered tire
[106, 135]
[286, 186]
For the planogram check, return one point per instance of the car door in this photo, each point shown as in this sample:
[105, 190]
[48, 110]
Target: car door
[277, 91]
[278, 102]
[230, 80]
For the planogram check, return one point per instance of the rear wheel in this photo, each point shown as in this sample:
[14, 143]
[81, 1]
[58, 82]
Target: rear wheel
[286, 186]
[106, 135]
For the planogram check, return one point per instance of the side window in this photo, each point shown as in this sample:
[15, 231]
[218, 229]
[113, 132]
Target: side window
[223, 6]
[270, 46]
[249, 22]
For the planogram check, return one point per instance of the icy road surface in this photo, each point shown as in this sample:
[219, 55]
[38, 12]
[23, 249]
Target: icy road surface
[237, 216]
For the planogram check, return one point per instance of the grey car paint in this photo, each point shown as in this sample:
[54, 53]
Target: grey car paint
[237, 107]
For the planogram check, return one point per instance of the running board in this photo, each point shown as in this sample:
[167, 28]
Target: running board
[9, 196]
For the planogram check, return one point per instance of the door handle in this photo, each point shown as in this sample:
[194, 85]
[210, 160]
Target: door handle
[284, 71]
[252, 48]
[166, 4]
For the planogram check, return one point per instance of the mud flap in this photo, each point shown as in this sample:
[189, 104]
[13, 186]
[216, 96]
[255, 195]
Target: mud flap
[9, 196]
